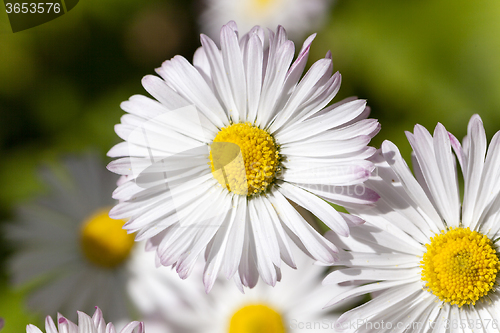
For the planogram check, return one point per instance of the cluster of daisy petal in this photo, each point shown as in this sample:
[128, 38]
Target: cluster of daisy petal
[223, 173]
[86, 324]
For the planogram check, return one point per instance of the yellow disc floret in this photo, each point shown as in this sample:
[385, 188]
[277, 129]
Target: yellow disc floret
[244, 159]
[103, 241]
[460, 266]
[256, 319]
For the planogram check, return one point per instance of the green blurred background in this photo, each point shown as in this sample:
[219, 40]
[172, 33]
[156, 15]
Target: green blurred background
[61, 83]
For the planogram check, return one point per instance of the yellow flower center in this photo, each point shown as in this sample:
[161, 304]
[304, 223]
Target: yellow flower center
[256, 319]
[103, 241]
[460, 266]
[244, 159]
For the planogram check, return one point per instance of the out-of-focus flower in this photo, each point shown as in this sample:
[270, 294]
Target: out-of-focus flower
[210, 166]
[86, 324]
[67, 244]
[430, 261]
[168, 304]
[299, 16]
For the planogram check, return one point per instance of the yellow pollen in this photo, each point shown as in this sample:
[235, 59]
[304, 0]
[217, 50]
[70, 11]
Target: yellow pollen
[256, 319]
[244, 159]
[103, 241]
[460, 266]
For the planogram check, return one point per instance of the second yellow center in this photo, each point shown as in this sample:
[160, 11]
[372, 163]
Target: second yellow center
[460, 266]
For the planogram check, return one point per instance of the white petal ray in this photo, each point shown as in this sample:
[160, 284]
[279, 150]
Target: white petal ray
[303, 91]
[317, 206]
[370, 274]
[200, 62]
[219, 76]
[247, 270]
[193, 226]
[414, 190]
[326, 148]
[444, 196]
[475, 166]
[214, 260]
[320, 248]
[332, 117]
[233, 62]
[384, 300]
[284, 247]
[346, 196]
[265, 231]
[253, 61]
[236, 238]
[382, 260]
[189, 83]
[339, 175]
[369, 288]
[273, 83]
[364, 127]
[263, 247]
[396, 207]
[490, 181]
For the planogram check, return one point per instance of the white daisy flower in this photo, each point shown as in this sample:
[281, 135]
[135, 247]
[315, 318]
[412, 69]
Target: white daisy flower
[168, 304]
[210, 166]
[76, 256]
[430, 262]
[86, 324]
[300, 16]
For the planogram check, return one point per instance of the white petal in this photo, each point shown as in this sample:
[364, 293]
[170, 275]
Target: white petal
[303, 91]
[382, 260]
[32, 329]
[413, 189]
[435, 161]
[369, 288]
[189, 83]
[490, 181]
[218, 250]
[475, 163]
[200, 62]
[384, 300]
[253, 61]
[341, 175]
[367, 127]
[332, 117]
[233, 62]
[320, 248]
[236, 238]
[85, 323]
[273, 83]
[317, 206]
[247, 270]
[284, 247]
[265, 249]
[219, 76]
[325, 148]
[346, 196]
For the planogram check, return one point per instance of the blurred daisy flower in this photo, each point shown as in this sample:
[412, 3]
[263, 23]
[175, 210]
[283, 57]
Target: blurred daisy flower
[430, 261]
[67, 245]
[86, 324]
[300, 16]
[169, 304]
[211, 165]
